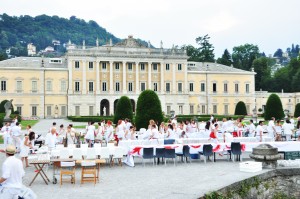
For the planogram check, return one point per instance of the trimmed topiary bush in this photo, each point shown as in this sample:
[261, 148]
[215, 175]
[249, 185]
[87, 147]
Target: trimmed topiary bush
[297, 110]
[148, 107]
[240, 108]
[123, 109]
[274, 108]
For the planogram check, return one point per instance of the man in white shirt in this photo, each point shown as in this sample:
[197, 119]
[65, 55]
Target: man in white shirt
[259, 131]
[271, 128]
[12, 173]
[6, 130]
[127, 124]
[16, 135]
[251, 129]
[50, 140]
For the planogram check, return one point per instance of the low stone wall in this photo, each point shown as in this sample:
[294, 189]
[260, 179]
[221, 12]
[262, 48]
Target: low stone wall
[275, 184]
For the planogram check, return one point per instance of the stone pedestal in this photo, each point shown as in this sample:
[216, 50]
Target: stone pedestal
[6, 120]
[266, 154]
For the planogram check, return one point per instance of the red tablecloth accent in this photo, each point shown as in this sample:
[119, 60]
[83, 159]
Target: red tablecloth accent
[217, 148]
[136, 150]
[195, 146]
[170, 147]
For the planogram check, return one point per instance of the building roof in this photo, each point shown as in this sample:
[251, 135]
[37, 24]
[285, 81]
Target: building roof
[33, 62]
[131, 43]
[209, 67]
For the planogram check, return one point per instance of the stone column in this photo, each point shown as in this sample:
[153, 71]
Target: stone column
[137, 81]
[173, 78]
[83, 77]
[124, 77]
[149, 76]
[186, 86]
[111, 82]
[162, 78]
[97, 77]
[70, 68]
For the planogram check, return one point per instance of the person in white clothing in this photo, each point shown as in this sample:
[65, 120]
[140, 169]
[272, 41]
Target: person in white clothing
[120, 130]
[127, 124]
[154, 133]
[288, 129]
[109, 131]
[251, 129]
[90, 134]
[170, 132]
[6, 130]
[25, 146]
[260, 131]
[50, 139]
[16, 135]
[130, 134]
[12, 173]
[278, 130]
[271, 128]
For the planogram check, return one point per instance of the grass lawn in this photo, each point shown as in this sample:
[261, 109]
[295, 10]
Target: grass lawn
[24, 123]
[84, 126]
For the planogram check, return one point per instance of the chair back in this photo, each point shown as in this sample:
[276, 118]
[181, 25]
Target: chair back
[104, 154]
[170, 153]
[236, 148]
[67, 164]
[64, 153]
[148, 153]
[84, 146]
[88, 163]
[207, 149]
[160, 152]
[90, 154]
[119, 152]
[186, 151]
[77, 154]
[169, 141]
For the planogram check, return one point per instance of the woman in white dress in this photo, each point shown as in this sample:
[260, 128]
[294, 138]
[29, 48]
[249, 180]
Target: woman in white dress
[288, 129]
[99, 133]
[130, 134]
[120, 130]
[259, 131]
[25, 146]
[278, 130]
[109, 131]
[90, 134]
[170, 132]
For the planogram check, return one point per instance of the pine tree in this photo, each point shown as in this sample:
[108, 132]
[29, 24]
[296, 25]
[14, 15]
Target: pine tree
[123, 109]
[225, 59]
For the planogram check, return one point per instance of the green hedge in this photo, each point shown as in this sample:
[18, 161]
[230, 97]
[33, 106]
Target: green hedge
[90, 118]
[206, 117]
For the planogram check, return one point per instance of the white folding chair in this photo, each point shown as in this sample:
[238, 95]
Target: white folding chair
[118, 154]
[90, 154]
[64, 154]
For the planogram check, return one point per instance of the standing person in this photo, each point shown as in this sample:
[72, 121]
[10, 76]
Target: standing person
[25, 146]
[278, 130]
[251, 129]
[12, 173]
[259, 131]
[201, 129]
[214, 134]
[109, 131]
[6, 130]
[120, 130]
[99, 133]
[271, 128]
[28, 129]
[170, 132]
[50, 139]
[16, 135]
[90, 134]
[207, 129]
[288, 129]
[127, 124]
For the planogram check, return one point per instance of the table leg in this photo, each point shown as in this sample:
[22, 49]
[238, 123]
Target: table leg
[39, 169]
[34, 176]
[42, 172]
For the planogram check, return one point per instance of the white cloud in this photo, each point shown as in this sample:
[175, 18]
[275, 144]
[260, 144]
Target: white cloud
[220, 22]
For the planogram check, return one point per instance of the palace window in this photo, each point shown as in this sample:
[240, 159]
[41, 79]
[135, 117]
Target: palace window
[154, 66]
[191, 87]
[180, 109]
[91, 65]
[168, 110]
[155, 86]
[191, 109]
[77, 64]
[63, 111]
[117, 86]
[236, 88]
[48, 110]
[91, 110]
[226, 109]
[104, 66]
[19, 86]
[143, 86]
[168, 87]
[142, 67]
[202, 87]
[49, 85]
[77, 86]
[129, 66]
[63, 85]
[179, 87]
[33, 110]
[215, 109]
[91, 86]
[19, 109]
[3, 85]
[247, 88]
[104, 86]
[214, 87]
[179, 67]
[117, 66]
[34, 86]
[203, 109]
[225, 88]
[167, 66]
[130, 86]
[77, 110]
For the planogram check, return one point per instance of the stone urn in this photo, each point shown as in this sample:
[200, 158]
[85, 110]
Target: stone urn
[266, 154]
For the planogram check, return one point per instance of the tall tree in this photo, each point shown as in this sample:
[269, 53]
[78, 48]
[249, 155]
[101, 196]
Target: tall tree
[244, 55]
[225, 59]
[278, 53]
[274, 108]
[123, 109]
[263, 73]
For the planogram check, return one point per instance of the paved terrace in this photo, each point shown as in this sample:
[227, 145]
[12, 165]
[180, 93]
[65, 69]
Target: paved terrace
[182, 181]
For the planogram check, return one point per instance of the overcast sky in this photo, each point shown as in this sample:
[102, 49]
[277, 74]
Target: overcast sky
[270, 24]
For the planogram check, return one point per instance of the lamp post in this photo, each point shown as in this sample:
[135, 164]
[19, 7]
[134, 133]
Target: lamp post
[254, 116]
